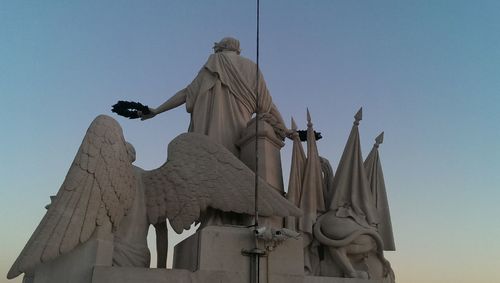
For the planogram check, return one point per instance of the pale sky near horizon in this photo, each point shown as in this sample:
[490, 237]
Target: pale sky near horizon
[426, 72]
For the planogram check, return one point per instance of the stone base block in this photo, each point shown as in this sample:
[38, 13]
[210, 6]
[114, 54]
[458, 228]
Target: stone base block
[212, 255]
[319, 279]
[152, 275]
[76, 266]
[269, 153]
[219, 248]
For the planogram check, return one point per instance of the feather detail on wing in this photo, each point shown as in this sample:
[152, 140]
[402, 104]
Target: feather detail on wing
[100, 178]
[199, 174]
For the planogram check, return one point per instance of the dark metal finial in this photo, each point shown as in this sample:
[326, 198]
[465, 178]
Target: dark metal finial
[294, 125]
[359, 116]
[309, 123]
[379, 140]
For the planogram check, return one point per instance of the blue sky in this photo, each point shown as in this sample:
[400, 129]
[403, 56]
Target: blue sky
[426, 72]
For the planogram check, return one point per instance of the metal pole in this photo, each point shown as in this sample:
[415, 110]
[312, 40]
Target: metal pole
[255, 258]
[256, 224]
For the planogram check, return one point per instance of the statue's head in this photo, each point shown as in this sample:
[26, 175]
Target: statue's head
[227, 44]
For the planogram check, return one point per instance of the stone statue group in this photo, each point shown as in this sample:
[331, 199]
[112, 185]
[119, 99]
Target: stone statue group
[346, 224]
[107, 202]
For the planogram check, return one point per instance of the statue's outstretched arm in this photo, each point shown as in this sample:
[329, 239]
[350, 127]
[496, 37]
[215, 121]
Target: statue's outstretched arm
[177, 100]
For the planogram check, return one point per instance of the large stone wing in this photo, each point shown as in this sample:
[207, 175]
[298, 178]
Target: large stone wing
[98, 188]
[199, 174]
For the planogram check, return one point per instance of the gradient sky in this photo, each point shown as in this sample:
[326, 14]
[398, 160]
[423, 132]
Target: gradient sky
[426, 72]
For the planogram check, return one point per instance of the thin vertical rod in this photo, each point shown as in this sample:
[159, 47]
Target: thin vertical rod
[256, 224]
[256, 264]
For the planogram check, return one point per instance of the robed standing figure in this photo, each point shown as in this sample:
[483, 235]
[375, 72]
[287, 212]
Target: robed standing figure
[223, 96]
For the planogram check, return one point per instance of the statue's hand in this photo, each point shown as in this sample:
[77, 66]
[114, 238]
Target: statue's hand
[151, 114]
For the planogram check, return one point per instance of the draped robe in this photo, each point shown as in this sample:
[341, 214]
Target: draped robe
[222, 98]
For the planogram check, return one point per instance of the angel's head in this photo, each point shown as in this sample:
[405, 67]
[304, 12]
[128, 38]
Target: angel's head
[130, 152]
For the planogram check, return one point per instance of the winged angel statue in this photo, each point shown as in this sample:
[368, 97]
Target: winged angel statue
[104, 193]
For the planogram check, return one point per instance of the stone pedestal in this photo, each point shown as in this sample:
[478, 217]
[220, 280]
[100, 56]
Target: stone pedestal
[76, 266]
[269, 153]
[319, 279]
[153, 275]
[212, 255]
[219, 249]
[269, 160]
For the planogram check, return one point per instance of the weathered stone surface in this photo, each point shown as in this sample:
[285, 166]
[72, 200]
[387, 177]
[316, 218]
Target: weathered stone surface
[145, 275]
[226, 244]
[319, 279]
[269, 166]
[269, 153]
[76, 267]
[215, 257]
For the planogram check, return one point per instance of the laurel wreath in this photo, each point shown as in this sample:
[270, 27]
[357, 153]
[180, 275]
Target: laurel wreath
[129, 109]
[303, 135]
